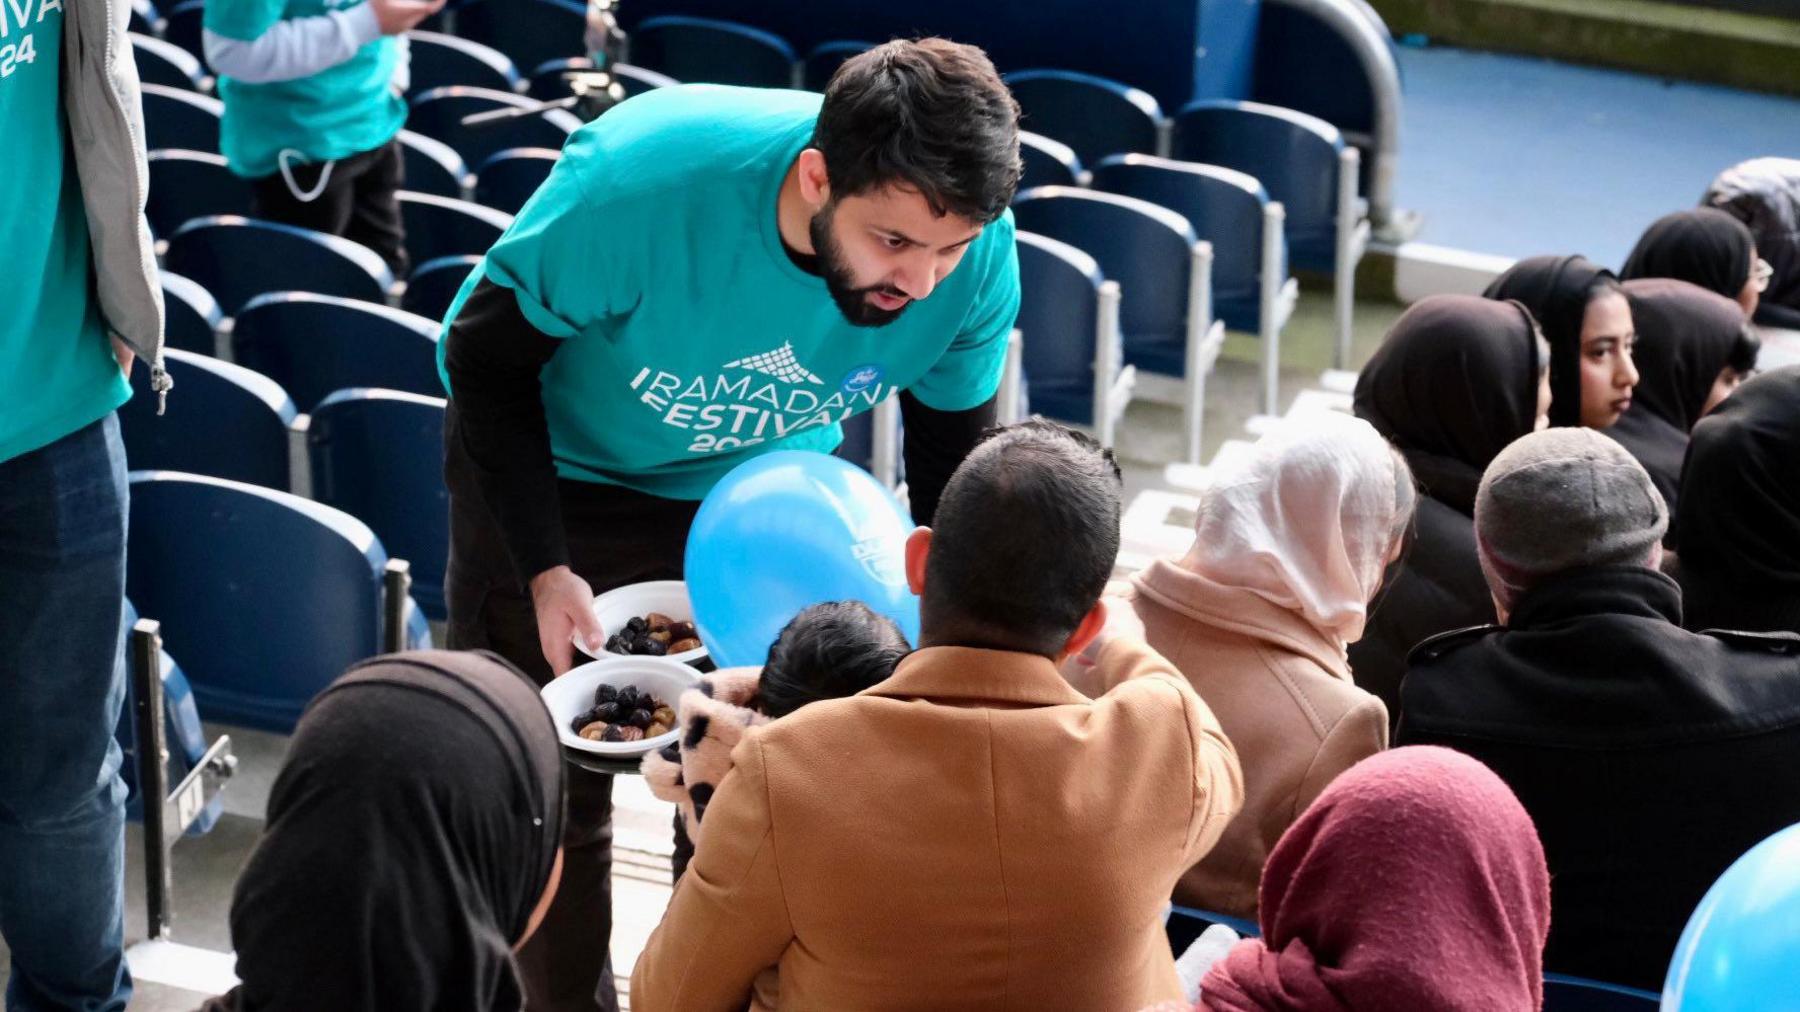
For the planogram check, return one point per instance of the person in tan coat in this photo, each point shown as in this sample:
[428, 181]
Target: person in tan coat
[1290, 546]
[971, 832]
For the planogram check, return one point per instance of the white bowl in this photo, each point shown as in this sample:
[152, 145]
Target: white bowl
[622, 604]
[572, 695]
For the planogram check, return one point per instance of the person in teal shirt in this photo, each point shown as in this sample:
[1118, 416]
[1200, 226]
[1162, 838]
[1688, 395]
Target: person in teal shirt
[313, 103]
[708, 274]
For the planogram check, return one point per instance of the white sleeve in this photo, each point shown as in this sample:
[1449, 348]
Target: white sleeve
[294, 48]
[402, 78]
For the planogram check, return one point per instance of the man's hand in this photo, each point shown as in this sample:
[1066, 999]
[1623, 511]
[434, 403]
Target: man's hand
[125, 356]
[396, 16]
[565, 605]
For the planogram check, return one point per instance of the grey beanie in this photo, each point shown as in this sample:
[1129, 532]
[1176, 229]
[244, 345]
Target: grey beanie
[1561, 499]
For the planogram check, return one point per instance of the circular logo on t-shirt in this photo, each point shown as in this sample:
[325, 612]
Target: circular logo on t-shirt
[861, 378]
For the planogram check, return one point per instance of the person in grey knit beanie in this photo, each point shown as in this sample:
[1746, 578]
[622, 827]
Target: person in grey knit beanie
[1561, 499]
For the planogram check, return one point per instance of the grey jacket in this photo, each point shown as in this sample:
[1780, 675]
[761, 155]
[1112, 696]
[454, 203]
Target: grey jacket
[106, 129]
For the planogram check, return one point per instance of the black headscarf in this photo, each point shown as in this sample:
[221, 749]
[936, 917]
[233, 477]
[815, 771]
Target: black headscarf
[1739, 520]
[1454, 382]
[1703, 246]
[1685, 335]
[410, 835]
[1556, 290]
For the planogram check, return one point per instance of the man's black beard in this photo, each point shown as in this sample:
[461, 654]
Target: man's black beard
[852, 301]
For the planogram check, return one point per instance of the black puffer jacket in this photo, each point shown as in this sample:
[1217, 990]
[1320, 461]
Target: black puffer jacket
[1764, 193]
[1649, 757]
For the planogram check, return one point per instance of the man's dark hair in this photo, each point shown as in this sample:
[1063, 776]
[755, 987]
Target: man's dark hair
[829, 651]
[928, 114]
[1023, 541]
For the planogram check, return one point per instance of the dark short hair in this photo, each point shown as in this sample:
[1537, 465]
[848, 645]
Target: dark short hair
[829, 651]
[928, 114]
[1023, 541]
[1745, 350]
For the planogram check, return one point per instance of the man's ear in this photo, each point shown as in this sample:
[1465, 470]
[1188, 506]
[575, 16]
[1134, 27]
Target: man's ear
[918, 547]
[815, 185]
[1090, 627]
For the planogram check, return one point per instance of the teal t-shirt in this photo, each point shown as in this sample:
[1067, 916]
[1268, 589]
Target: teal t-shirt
[337, 112]
[692, 341]
[57, 372]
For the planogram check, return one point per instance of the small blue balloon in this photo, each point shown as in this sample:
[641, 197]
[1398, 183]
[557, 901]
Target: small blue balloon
[1740, 950]
[786, 530]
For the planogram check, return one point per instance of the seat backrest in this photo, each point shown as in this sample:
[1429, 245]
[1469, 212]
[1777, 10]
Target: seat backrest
[191, 316]
[1145, 248]
[530, 31]
[637, 80]
[1093, 115]
[440, 60]
[1577, 994]
[182, 26]
[144, 19]
[164, 63]
[1059, 310]
[825, 59]
[265, 597]
[444, 226]
[1293, 155]
[434, 284]
[1047, 162]
[547, 80]
[237, 259]
[227, 421]
[379, 456]
[315, 344]
[1224, 206]
[704, 50]
[508, 179]
[432, 166]
[438, 114]
[185, 185]
[181, 118]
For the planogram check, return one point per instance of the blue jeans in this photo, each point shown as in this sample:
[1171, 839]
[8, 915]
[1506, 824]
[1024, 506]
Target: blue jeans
[62, 682]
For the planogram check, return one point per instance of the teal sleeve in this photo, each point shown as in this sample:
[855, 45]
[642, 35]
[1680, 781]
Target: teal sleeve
[243, 20]
[558, 258]
[968, 373]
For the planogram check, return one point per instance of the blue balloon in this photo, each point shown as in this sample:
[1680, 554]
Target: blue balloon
[786, 530]
[1741, 948]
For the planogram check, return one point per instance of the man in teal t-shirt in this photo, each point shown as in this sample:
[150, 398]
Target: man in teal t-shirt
[709, 274]
[312, 92]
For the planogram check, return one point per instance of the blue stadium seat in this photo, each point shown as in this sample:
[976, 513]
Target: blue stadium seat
[1303, 162]
[181, 118]
[637, 80]
[433, 167]
[1069, 318]
[1563, 993]
[237, 259]
[144, 19]
[183, 735]
[315, 344]
[182, 26]
[532, 32]
[185, 185]
[438, 114]
[703, 50]
[509, 178]
[191, 316]
[1047, 162]
[378, 455]
[825, 59]
[1185, 924]
[434, 284]
[1093, 115]
[547, 81]
[227, 422]
[442, 60]
[265, 597]
[1250, 287]
[444, 226]
[167, 64]
[1162, 269]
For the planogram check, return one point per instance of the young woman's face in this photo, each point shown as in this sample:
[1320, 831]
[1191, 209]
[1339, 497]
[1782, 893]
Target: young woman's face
[1607, 372]
[1751, 293]
[1724, 386]
[1543, 401]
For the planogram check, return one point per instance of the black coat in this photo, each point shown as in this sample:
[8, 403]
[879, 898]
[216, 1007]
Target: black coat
[1649, 757]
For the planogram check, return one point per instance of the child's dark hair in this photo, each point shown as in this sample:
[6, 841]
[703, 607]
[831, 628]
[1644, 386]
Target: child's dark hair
[829, 651]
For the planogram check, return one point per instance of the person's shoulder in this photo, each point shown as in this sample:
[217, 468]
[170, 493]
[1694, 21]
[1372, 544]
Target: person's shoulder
[1772, 644]
[1434, 649]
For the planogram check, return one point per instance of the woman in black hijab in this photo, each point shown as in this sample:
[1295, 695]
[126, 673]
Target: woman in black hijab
[1693, 349]
[1456, 380]
[1587, 321]
[1739, 523]
[412, 843]
[1703, 246]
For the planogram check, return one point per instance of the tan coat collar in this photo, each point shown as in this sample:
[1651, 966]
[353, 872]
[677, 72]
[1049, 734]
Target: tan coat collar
[1239, 611]
[976, 675]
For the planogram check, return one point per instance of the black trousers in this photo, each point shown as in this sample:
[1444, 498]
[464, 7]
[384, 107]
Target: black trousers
[615, 536]
[357, 201]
